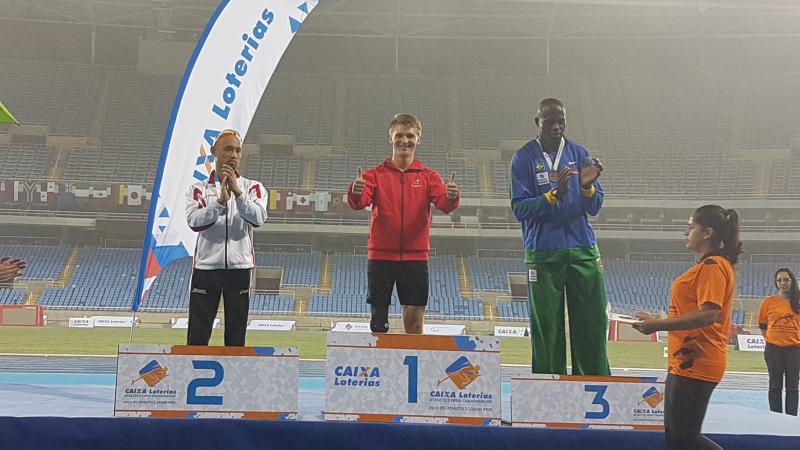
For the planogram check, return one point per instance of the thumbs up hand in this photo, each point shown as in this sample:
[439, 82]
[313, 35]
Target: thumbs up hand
[452, 187]
[358, 184]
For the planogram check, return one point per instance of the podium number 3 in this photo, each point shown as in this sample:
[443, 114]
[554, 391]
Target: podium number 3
[599, 390]
[411, 362]
[191, 392]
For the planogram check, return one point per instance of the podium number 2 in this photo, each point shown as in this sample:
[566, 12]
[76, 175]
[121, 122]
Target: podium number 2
[599, 390]
[191, 392]
[411, 362]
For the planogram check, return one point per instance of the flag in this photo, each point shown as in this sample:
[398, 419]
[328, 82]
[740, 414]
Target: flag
[18, 187]
[302, 204]
[6, 191]
[66, 195]
[27, 191]
[101, 192]
[82, 190]
[122, 198]
[100, 196]
[275, 199]
[296, 201]
[221, 88]
[49, 192]
[6, 116]
[338, 202]
[135, 194]
[302, 201]
[321, 200]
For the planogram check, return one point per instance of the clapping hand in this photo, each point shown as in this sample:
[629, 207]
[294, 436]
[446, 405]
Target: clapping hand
[229, 178]
[592, 168]
[562, 179]
[224, 193]
[10, 268]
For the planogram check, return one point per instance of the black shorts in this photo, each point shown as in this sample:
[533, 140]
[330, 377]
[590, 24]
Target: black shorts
[411, 278]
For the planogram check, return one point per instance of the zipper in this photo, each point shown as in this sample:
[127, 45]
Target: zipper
[402, 208]
[226, 237]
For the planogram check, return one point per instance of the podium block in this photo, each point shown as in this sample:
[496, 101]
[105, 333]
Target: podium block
[412, 378]
[567, 401]
[207, 382]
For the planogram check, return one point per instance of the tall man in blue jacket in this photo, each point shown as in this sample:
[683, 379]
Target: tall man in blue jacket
[553, 188]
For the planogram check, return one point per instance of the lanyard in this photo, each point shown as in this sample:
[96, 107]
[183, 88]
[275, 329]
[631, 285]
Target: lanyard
[553, 166]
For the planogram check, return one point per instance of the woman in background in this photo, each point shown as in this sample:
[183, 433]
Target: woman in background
[779, 320]
[698, 322]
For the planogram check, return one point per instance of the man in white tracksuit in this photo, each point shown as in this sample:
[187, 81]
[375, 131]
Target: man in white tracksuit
[223, 210]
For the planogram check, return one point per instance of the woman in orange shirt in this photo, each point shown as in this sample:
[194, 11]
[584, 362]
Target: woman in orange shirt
[779, 320]
[699, 319]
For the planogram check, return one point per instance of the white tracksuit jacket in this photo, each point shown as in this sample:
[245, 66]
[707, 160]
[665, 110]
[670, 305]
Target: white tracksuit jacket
[225, 233]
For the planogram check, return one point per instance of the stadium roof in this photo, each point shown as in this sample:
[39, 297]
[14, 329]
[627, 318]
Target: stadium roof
[448, 19]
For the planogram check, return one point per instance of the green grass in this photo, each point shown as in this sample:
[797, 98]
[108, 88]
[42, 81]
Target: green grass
[104, 341]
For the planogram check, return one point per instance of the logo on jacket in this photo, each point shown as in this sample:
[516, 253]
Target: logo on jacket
[539, 166]
[417, 183]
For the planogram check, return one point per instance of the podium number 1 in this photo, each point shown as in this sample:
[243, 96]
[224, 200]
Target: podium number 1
[411, 362]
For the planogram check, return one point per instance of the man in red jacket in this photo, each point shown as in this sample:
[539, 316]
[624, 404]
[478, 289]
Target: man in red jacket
[401, 191]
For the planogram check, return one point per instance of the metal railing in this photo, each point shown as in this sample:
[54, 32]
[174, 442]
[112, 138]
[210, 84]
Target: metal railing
[365, 222]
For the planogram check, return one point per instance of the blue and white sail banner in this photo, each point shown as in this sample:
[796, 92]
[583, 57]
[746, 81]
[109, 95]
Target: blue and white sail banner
[221, 88]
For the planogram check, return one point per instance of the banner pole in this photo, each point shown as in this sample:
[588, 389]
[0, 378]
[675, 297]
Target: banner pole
[133, 325]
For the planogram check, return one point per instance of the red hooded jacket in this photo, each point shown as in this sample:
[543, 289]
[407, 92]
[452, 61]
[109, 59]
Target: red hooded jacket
[399, 228]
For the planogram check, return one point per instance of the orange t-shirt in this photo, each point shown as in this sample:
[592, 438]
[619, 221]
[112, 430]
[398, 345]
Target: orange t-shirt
[783, 325]
[702, 353]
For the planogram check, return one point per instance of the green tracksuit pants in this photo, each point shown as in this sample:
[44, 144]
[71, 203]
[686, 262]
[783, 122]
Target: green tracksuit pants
[578, 273]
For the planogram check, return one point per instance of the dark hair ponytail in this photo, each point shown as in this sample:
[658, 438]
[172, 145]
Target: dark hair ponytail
[725, 223]
[794, 290]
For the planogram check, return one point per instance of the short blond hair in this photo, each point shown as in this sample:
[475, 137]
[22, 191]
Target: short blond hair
[406, 119]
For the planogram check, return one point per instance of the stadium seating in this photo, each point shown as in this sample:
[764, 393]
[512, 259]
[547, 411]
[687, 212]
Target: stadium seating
[299, 269]
[652, 151]
[500, 177]
[61, 95]
[139, 111]
[349, 289]
[170, 291]
[26, 161]
[785, 176]
[276, 171]
[9, 296]
[756, 279]
[103, 279]
[124, 163]
[300, 105]
[513, 310]
[43, 262]
[630, 285]
[495, 109]
[272, 304]
[491, 274]
[106, 279]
